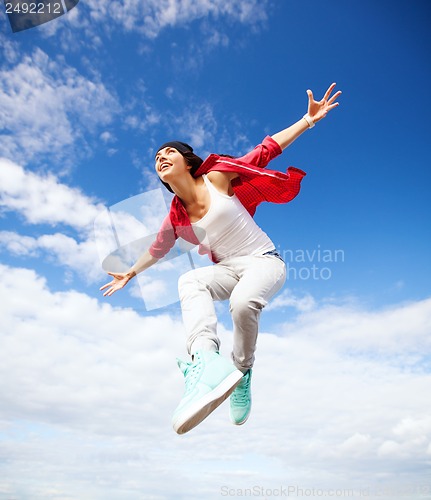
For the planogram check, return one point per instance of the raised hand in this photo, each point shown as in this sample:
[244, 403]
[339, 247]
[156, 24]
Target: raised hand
[319, 109]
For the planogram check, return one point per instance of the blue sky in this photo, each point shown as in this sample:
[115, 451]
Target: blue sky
[343, 359]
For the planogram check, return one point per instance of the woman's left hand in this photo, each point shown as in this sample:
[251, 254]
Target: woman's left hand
[319, 109]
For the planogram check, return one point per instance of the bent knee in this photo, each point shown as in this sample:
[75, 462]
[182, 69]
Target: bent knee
[244, 305]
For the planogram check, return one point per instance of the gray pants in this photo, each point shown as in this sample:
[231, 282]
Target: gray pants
[248, 282]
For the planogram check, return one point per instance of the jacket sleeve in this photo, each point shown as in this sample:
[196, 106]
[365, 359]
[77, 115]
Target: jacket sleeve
[165, 239]
[262, 154]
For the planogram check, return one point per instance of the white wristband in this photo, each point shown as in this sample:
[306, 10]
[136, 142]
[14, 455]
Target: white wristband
[308, 119]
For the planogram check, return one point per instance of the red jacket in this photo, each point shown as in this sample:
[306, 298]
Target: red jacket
[254, 185]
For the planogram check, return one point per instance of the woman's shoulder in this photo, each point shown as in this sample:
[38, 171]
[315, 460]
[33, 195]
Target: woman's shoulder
[221, 180]
[217, 176]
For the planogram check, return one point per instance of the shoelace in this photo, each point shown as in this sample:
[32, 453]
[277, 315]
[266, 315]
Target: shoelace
[241, 393]
[191, 374]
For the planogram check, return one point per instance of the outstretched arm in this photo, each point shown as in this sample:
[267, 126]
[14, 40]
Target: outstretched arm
[316, 111]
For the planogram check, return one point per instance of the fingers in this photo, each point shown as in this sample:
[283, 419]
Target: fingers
[109, 292]
[329, 91]
[116, 276]
[326, 98]
[334, 97]
[119, 281]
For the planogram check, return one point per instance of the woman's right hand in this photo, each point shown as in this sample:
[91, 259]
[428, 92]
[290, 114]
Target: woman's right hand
[120, 281]
[319, 109]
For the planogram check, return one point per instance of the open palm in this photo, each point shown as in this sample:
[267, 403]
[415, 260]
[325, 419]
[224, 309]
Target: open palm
[120, 281]
[319, 109]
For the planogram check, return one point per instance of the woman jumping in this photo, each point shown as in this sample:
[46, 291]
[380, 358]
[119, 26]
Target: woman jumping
[213, 207]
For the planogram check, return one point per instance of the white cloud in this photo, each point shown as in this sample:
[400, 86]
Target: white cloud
[107, 137]
[10, 48]
[46, 106]
[87, 391]
[412, 428]
[80, 257]
[213, 21]
[288, 299]
[111, 151]
[406, 326]
[151, 17]
[67, 339]
[355, 445]
[198, 123]
[18, 244]
[43, 199]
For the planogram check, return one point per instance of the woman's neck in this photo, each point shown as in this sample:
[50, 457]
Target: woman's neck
[187, 189]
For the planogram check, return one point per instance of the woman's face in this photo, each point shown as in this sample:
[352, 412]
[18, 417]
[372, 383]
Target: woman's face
[170, 163]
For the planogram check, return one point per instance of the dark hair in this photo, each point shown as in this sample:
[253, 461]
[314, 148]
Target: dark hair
[192, 160]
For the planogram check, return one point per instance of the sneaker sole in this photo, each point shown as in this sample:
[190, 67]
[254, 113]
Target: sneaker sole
[200, 410]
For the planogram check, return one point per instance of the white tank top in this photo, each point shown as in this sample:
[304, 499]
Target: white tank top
[228, 229]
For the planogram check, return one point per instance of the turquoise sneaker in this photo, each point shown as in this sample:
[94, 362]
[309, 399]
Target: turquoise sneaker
[240, 400]
[210, 379]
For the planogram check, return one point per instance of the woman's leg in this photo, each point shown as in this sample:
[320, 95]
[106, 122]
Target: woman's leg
[198, 289]
[209, 378]
[261, 277]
